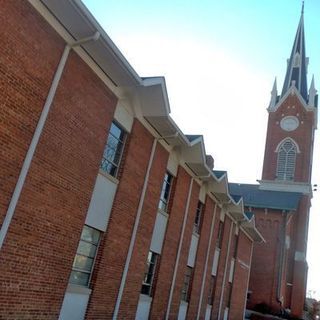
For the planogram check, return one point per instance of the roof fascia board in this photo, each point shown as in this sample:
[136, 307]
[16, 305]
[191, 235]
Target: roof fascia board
[65, 35]
[81, 12]
[84, 10]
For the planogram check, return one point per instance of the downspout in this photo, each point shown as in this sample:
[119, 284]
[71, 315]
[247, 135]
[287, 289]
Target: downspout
[225, 271]
[207, 260]
[248, 280]
[36, 136]
[179, 250]
[136, 224]
[282, 255]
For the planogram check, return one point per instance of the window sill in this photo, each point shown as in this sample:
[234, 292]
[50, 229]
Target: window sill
[184, 302]
[196, 234]
[109, 176]
[73, 288]
[163, 213]
[145, 297]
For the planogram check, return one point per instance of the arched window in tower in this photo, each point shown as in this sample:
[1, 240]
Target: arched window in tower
[287, 152]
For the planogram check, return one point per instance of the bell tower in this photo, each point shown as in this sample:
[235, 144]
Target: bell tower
[292, 121]
[287, 168]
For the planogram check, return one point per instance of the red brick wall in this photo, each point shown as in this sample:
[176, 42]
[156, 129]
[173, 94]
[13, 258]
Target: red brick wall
[170, 246]
[265, 259]
[210, 263]
[184, 251]
[200, 259]
[303, 137]
[300, 267]
[37, 256]
[24, 83]
[241, 277]
[219, 289]
[148, 216]
[228, 286]
[114, 248]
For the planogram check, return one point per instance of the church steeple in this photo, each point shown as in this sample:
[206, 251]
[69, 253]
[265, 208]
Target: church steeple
[297, 64]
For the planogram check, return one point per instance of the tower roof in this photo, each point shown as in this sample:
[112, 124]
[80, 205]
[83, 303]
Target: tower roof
[297, 64]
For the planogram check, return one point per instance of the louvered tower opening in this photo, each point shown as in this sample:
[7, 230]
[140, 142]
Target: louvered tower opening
[286, 161]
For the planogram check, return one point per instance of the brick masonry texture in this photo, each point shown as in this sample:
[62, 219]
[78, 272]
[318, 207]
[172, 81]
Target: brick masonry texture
[38, 252]
[241, 277]
[143, 241]
[115, 246]
[200, 259]
[219, 288]
[35, 261]
[291, 106]
[185, 251]
[170, 246]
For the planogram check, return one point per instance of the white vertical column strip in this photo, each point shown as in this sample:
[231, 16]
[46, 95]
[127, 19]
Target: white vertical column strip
[36, 136]
[134, 232]
[34, 142]
[245, 297]
[179, 249]
[207, 260]
[225, 270]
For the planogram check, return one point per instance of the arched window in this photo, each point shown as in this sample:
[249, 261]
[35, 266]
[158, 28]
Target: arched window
[286, 164]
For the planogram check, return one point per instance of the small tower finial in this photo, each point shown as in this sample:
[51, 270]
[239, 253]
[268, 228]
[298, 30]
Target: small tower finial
[302, 9]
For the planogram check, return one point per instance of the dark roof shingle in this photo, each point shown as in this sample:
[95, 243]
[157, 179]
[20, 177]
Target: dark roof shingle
[254, 197]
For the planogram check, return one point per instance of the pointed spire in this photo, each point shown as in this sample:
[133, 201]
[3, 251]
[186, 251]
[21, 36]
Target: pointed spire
[312, 94]
[297, 64]
[274, 95]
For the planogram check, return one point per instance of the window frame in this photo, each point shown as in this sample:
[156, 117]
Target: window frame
[212, 285]
[151, 284]
[187, 284]
[198, 218]
[105, 162]
[286, 160]
[77, 269]
[220, 235]
[165, 193]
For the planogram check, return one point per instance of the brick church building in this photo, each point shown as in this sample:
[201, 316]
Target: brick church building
[109, 211]
[282, 199]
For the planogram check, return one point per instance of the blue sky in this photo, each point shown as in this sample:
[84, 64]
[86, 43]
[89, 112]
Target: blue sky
[220, 59]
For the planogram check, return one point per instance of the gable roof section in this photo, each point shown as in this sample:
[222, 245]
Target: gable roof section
[254, 197]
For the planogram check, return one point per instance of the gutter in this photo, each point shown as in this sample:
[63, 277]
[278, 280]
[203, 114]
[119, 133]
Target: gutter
[37, 134]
